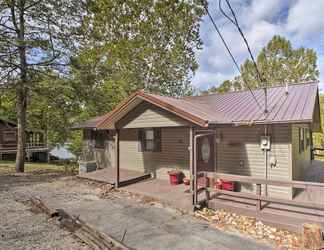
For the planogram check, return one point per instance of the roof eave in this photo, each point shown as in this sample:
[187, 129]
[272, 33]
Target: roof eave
[238, 123]
[109, 121]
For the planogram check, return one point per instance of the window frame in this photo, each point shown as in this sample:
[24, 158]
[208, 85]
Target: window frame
[99, 138]
[307, 137]
[301, 135]
[143, 140]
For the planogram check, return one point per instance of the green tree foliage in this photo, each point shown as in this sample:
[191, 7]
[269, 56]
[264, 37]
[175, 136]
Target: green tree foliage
[36, 36]
[318, 138]
[65, 61]
[142, 44]
[278, 63]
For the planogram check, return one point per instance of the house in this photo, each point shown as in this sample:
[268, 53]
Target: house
[225, 133]
[36, 146]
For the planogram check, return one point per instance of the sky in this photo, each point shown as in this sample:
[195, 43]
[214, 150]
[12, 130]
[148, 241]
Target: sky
[300, 21]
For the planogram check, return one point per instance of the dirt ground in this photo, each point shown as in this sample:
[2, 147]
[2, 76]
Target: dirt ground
[22, 229]
[146, 225]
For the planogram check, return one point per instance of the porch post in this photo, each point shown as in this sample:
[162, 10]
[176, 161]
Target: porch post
[117, 158]
[191, 157]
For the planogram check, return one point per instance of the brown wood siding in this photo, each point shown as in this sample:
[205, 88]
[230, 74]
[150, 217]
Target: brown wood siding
[300, 160]
[147, 115]
[4, 127]
[174, 152]
[239, 153]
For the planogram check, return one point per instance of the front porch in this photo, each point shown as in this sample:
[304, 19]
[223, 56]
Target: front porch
[109, 176]
[306, 206]
[175, 196]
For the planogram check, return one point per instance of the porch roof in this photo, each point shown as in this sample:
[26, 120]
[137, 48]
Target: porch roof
[297, 105]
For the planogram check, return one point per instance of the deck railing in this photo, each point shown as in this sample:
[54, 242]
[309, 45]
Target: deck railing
[258, 196]
[13, 146]
[318, 152]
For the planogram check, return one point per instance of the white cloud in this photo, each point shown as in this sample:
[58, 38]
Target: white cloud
[305, 18]
[265, 9]
[298, 20]
[205, 79]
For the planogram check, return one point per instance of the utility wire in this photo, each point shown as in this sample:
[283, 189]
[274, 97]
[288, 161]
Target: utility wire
[230, 53]
[235, 22]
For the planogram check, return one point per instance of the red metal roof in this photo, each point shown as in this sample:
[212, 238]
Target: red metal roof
[230, 108]
[240, 107]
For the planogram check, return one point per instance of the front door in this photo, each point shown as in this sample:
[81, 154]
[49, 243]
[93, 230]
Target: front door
[206, 153]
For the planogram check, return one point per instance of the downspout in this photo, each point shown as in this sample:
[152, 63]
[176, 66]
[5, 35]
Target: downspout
[266, 161]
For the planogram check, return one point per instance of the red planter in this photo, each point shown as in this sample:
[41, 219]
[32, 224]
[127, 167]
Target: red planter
[176, 177]
[226, 185]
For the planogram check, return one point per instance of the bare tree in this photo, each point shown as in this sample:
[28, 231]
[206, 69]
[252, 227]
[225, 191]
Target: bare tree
[36, 37]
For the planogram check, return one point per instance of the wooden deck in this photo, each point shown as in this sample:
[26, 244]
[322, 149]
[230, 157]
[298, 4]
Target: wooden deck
[286, 215]
[108, 175]
[175, 196]
[280, 215]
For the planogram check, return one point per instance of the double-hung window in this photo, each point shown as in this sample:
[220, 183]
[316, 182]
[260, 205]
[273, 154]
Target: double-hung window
[149, 140]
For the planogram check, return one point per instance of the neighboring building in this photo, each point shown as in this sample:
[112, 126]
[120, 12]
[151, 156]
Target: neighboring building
[36, 145]
[152, 133]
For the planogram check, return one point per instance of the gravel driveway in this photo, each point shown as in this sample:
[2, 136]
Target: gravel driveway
[148, 226]
[22, 229]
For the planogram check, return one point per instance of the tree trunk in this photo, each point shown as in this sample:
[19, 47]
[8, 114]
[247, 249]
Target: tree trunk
[21, 117]
[21, 89]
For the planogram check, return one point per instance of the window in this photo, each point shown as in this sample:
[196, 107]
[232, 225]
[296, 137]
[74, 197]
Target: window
[9, 136]
[99, 138]
[308, 140]
[149, 140]
[301, 140]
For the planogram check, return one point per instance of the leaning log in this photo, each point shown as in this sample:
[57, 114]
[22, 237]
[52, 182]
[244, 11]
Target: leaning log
[94, 238]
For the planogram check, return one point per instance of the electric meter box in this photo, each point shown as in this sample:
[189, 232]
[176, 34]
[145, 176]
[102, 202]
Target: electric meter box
[265, 142]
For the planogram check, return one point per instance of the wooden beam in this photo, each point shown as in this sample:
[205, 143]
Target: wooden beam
[134, 180]
[91, 236]
[258, 191]
[253, 180]
[191, 157]
[251, 196]
[117, 158]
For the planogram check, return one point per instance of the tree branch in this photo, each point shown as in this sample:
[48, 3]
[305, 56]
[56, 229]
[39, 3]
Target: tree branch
[13, 16]
[32, 5]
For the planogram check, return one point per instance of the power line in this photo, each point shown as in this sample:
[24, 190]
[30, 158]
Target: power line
[235, 22]
[230, 53]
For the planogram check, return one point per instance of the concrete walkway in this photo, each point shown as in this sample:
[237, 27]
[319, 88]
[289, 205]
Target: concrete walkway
[148, 226]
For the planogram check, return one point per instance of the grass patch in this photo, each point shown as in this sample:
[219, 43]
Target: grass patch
[7, 167]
